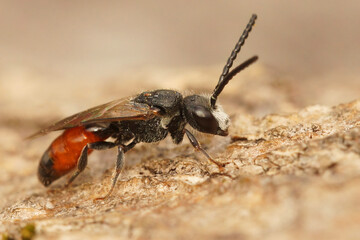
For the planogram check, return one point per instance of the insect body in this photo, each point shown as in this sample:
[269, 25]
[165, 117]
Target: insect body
[147, 117]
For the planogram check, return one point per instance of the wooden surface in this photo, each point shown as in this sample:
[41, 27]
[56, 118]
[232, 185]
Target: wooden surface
[294, 168]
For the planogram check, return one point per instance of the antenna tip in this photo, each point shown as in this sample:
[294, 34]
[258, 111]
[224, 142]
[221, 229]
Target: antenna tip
[254, 58]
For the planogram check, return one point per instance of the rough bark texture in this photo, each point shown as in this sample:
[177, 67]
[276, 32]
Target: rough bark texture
[291, 172]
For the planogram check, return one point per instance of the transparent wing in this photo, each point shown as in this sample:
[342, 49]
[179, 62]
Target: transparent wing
[118, 110]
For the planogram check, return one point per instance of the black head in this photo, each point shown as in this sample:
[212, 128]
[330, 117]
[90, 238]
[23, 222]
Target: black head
[201, 116]
[202, 112]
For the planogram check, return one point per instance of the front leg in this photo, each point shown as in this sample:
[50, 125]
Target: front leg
[198, 147]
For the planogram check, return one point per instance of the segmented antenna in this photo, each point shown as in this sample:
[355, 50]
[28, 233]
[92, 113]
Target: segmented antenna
[225, 77]
[238, 69]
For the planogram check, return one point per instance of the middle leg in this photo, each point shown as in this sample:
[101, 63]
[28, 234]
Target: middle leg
[120, 162]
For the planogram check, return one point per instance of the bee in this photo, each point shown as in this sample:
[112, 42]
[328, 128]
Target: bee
[147, 117]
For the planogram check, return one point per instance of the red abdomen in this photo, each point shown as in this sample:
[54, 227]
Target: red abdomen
[63, 154]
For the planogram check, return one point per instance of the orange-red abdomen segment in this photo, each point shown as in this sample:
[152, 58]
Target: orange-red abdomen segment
[63, 154]
[65, 150]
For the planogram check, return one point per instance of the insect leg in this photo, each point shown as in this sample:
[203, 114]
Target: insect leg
[82, 162]
[120, 162]
[198, 147]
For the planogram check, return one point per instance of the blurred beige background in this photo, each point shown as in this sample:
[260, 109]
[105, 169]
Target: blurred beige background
[70, 55]
[101, 38]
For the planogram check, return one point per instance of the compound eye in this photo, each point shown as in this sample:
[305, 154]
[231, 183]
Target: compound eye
[205, 120]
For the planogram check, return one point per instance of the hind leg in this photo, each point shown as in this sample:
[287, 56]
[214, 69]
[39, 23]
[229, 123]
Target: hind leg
[83, 159]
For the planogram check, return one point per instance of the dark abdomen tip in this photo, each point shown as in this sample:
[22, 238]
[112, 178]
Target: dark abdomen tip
[46, 173]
